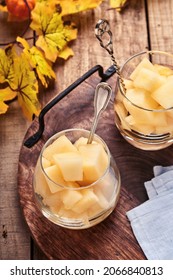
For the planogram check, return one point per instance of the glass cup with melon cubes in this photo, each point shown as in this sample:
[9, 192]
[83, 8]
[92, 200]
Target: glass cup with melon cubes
[76, 184]
[144, 104]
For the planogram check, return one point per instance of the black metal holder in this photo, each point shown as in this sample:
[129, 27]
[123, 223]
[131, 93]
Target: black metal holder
[31, 141]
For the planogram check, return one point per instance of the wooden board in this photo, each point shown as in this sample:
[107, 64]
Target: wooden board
[113, 238]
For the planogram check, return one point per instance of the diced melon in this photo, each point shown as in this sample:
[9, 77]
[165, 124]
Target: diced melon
[142, 116]
[88, 200]
[94, 210]
[41, 186]
[108, 185]
[128, 84]
[142, 128]
[82, 141]
[60, 145]
[163, 70]
[145, 63]
[53, 200]
[164, 94]
[148, 80]
[70, 165]
[70, 198]
[54, 178]
[102, 201]
[72, 184]
[45, 162]
[95, 161]
[142, 98]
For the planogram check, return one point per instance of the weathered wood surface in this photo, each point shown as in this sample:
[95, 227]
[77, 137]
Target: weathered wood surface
[130, 36]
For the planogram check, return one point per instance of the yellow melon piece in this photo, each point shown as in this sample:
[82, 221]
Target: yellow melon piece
[60, 145]
[102, 201]
[164, 94]
[94, 210]
[70, 165]
[70, 198]
[145, 63]
[53, 200]
[82, 141]
[128, 84]
[54, 178]
[88, 200]
[148, 80]
[95, 161]
[45, 162]
[142, 128]
[145, 117]
[163, 70]
[142, 98]
[41, 186]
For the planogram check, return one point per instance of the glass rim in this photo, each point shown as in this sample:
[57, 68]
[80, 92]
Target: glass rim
[72, 130]
[150, 52]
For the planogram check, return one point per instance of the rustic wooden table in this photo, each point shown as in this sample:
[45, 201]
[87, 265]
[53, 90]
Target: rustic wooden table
[142, 25]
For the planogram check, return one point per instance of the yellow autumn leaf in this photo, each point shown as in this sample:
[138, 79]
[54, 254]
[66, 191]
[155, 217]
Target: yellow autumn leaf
[54, 34]
[5, 95]
[118, 4]
[6, 65]
[66, 53]
[37, 62]
[3, 8]
[24, 83]
[72, 7]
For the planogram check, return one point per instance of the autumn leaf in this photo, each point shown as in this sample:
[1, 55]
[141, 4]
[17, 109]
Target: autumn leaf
[6, 65]
[54, 34]
[5, 95]
[38, 62]
[66, 52]
[76, 6]
[118, 4]
[25, 85]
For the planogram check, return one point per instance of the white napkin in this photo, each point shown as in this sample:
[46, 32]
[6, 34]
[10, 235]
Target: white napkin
[152, 221]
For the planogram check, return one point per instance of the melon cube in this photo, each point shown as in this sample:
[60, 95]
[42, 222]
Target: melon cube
[54, 178]
[163, 70]
[145, 63]
[70, 165]
[128, 84]
[148, 80]
[53, 200]
[95, 161]
[142, 116]
[89, 199]
[70, 198]
[142, 98]
[142, 128]
[60, 145]
[45, 162]
[102, 201]
[164, 94]
[82, 141]
[41, 186]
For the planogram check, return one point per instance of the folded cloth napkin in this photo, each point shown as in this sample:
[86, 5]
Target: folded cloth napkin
[152, 221]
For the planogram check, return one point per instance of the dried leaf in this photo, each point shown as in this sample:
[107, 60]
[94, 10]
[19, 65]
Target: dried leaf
[118, 4]
[38, 62]
[6, 65]
[66, 53]
[5, 94]
[26, 86]
[53, 33]
[76, 6]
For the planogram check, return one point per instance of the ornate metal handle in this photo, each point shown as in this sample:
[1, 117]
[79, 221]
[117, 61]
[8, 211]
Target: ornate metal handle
[104, 35]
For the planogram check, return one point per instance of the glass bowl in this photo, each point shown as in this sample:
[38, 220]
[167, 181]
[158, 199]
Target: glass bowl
[144, 103]
[79, 203]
